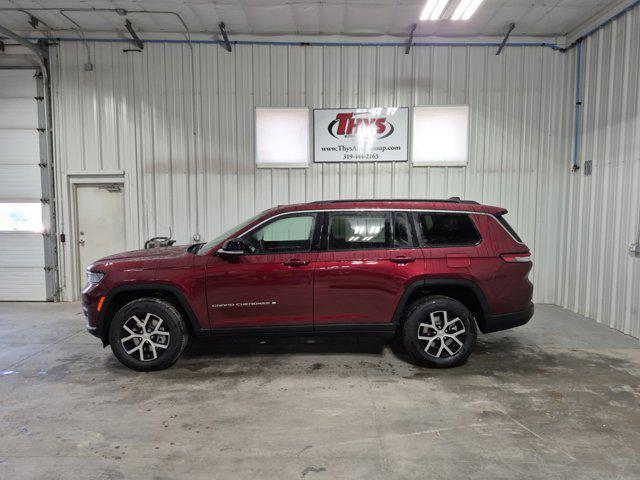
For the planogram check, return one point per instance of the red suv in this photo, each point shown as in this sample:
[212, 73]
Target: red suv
[431, 271]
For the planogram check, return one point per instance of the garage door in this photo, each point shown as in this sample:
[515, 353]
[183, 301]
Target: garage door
[22, 260]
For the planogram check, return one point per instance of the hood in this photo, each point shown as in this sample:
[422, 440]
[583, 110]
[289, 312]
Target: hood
[145, 259]
[160, 252]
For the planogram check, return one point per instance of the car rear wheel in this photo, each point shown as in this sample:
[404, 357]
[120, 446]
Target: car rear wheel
[148, 334]
[439, 332]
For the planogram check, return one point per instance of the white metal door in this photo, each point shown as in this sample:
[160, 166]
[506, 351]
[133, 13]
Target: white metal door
[22, 259]
[100, 229]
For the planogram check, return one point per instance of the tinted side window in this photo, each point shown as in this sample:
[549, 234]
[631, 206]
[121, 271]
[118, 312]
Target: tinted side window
[402, 234]
[358, 231]
[440, 229]
[284, 235]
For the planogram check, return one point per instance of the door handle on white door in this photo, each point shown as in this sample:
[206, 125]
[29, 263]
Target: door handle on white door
[81, 242]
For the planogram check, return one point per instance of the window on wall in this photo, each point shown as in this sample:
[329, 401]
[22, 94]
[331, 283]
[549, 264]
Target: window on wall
[282, 137]
[21, 217]
[441, 135]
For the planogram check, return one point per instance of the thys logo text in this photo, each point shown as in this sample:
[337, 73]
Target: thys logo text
[349, 124]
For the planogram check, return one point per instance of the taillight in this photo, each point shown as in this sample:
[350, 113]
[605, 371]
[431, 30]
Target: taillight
[516, 257]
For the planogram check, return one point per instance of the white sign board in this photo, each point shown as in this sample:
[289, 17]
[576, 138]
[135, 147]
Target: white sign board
[361, 134]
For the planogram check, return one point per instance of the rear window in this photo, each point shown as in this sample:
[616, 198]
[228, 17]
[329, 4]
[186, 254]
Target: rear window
[509, 228]
[443, 229]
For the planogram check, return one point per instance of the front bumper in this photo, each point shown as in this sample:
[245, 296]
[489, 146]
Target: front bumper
[90, 298]
[495, 323]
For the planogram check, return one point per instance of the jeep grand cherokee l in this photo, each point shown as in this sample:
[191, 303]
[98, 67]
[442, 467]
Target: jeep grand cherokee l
[431, 271]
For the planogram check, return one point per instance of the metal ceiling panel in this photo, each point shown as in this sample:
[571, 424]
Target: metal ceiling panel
[311, 17]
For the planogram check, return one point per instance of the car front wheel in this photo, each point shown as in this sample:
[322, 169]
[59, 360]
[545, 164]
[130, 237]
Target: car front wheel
[439, 332]
[148, 334]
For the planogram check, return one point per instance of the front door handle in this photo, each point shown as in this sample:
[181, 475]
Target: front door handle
[402, 259]
[296, 262]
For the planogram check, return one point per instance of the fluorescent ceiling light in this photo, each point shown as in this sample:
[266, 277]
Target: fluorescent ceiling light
[465, 9]
[460, 9]
[433, 9]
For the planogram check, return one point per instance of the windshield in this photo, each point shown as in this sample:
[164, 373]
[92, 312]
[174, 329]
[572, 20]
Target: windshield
[213, 242]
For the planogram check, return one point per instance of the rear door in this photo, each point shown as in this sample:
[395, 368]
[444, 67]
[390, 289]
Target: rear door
[366, 261]
[450, 241]
[270, 285]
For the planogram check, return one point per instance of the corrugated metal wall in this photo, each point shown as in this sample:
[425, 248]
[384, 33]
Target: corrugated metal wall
[597, 276]
[135, 113]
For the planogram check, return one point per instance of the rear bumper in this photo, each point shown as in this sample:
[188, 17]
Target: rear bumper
[495, 323]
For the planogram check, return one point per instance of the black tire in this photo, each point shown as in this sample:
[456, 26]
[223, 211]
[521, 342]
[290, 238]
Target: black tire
[166, 344]
[428, 350]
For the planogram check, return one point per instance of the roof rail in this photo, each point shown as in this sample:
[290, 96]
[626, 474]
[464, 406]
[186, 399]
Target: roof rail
[433, 200]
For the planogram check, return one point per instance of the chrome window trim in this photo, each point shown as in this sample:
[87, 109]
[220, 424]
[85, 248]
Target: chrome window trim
[430, 210]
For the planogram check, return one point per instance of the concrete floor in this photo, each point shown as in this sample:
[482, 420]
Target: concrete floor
[558, 398]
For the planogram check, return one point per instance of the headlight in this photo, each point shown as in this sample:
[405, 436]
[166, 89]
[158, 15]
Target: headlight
[94, 277]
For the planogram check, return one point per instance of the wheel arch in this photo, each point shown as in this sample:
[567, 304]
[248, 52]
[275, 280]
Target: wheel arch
[120, 296]
[465, 291]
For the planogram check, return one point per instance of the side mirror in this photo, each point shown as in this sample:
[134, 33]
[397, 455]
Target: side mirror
[233, 246]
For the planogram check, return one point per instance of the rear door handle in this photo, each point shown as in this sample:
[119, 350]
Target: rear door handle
[402, 259]
[296, 262]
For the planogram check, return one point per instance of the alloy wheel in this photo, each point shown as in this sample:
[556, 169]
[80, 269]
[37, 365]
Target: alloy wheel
[440, 336]
[145, 339]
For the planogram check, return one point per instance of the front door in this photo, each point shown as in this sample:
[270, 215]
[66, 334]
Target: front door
[270, 285]
[369, 259]
[100, 230]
